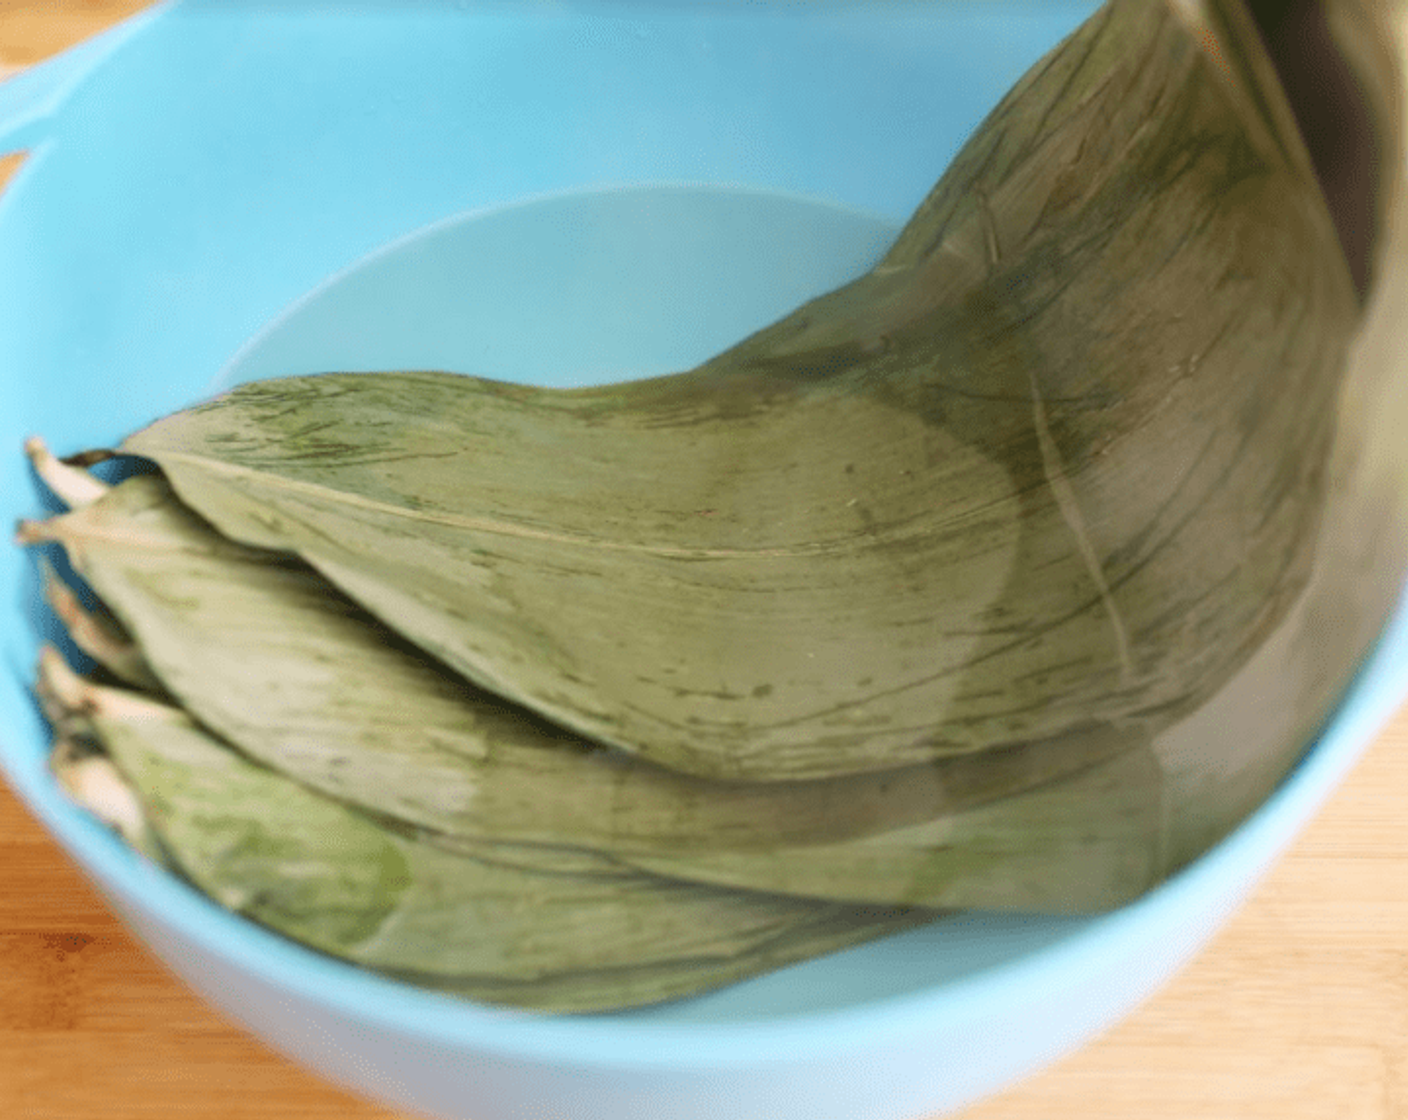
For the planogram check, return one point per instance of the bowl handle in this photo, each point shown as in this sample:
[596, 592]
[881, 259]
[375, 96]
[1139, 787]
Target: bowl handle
[31, 101]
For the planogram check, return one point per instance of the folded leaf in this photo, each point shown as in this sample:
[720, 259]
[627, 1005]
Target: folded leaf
[515, 924]
[263, 652]
[1058, 460]
[1081, 844]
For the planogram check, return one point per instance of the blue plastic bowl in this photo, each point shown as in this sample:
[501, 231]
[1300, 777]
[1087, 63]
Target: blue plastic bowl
[218, 191]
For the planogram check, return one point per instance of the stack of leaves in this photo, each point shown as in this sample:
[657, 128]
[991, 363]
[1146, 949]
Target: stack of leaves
[584, 699]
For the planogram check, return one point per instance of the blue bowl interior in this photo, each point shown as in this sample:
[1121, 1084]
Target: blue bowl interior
[245, 191]
[571, 289]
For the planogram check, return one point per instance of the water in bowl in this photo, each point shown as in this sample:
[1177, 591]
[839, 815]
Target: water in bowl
[594, 286]
[573, 289]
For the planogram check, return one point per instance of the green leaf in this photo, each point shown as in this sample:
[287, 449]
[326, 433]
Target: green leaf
[263, 652]
[1086, 842]
[531, 926]
[1058, 460]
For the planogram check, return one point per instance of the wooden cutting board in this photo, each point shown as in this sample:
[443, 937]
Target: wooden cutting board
[1298, 1010]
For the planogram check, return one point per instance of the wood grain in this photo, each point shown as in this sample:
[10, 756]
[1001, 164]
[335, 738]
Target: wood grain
[1298, 1010]
[31, 30]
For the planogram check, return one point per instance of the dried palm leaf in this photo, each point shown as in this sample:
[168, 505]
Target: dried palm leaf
[554, 930]
[1057, 461]
[263, 652]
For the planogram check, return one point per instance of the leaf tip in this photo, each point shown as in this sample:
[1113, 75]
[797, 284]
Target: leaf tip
[70, 484]
[29, 532]
[57, 680]
[94, 783]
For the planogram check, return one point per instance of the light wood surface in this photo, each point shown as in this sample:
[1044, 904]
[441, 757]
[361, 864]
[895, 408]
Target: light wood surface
[1298, 1010]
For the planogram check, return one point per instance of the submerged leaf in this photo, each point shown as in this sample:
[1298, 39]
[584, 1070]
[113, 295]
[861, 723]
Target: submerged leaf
[517, 924]
[262, 651]
[1058, 460]
[1081, 844]
[930, 593]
